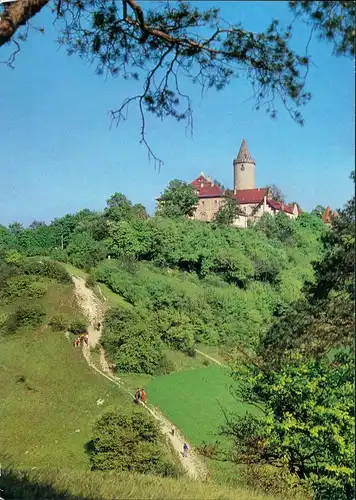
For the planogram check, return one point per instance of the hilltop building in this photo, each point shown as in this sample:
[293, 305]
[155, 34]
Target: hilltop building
[254, 202]
[328, 215]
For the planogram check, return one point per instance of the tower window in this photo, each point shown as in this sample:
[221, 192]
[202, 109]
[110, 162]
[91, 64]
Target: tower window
[242, 168]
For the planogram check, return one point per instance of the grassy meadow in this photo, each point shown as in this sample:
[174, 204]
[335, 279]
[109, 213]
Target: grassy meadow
[194, 399]
[81, 485]
[49, 393]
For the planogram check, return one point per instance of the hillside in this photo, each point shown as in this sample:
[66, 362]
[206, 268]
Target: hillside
[51, 399]
[203, 317]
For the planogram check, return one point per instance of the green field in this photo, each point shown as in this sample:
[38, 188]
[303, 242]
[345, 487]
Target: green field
[192, 400]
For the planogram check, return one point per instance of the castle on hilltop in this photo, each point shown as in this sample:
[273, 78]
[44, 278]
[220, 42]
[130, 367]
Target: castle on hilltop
[253, 202]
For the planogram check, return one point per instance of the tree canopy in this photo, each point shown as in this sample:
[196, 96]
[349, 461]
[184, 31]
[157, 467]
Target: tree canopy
[178, 199]
[301, 377]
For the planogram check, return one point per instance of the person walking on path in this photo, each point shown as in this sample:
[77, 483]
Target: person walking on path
[143, 396]
[185, 450]
[86, 338]
[137, 395]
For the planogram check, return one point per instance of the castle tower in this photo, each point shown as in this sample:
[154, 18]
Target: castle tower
[244, 169]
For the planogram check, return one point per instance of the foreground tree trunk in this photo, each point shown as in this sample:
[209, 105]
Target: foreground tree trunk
[16, 15]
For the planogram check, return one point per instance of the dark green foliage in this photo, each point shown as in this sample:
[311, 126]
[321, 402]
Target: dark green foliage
[306, 423]
[48, 269]
[324, 318]
[24, 316]
[302, 377]
[129, 441]
[228, 211]
[131, 341]
[278, 226]
[84, 252]
[91, 280]
[77, 326]
[165, 366]
[24, 286]
[59, 323]
[318, 211]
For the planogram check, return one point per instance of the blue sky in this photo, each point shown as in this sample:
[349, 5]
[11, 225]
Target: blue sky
[59, 154]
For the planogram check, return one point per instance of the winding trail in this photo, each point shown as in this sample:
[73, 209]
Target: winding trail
[94, 309]
[209, 357]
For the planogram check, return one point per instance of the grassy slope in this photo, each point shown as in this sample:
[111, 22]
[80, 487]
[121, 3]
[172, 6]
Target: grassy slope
[39, 424]
[40, 418]
[80, 485]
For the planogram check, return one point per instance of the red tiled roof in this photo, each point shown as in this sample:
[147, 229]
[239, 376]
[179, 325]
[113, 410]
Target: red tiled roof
[250, 195]
[209, 192]
[206, 188]
[280, 206]
[200, 180]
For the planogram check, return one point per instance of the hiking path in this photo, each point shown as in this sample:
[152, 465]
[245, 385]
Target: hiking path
[94, 309]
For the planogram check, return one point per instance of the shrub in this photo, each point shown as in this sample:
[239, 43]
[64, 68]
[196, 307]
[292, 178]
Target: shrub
[59, 323]
[49, 269]
[165, 366]
[272, 480]
[59, 254]
[25, 316]
[131, 341]
[3, 319]
[14, 257]
[90, 281]
[206, 362]
[23, 286]
[129, 441]
[77, 326]
[36, 289]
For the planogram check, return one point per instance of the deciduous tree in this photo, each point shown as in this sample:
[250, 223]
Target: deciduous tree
[177, 200]
[228, 211]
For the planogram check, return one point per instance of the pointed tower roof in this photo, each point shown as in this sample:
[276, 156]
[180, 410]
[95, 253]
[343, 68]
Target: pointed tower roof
[244, 154]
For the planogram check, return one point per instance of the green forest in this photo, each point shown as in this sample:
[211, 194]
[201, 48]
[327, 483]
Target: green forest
[277, 297]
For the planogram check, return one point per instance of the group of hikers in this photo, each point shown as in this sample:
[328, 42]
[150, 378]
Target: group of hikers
[140, 395]
[78, 341]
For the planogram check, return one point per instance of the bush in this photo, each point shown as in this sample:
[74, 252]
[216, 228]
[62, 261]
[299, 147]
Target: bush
[23, 286]
[129, 441]
[77, 326]
[14, 257]
[274, 481]
[49, 269]
[131, 341]
[24, 316]
[90, 281]
[59, 255]
[36, 290]
[165, 366]
[59, 323]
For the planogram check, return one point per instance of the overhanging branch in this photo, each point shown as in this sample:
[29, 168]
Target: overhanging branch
[16, 15]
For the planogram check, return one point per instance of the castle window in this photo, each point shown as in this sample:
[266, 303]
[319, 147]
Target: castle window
[203, 216]
[202, 202]
[242, 168]
[215, 202]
